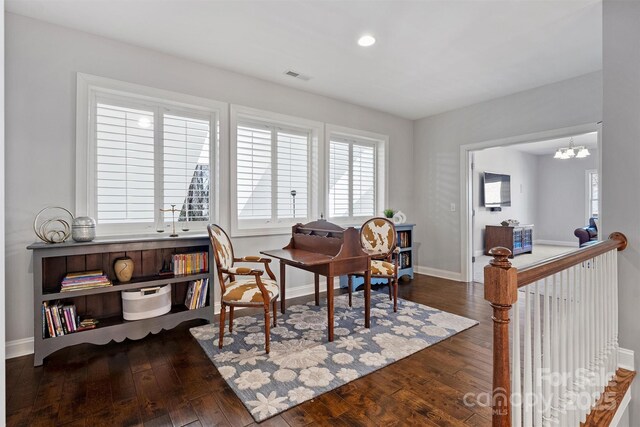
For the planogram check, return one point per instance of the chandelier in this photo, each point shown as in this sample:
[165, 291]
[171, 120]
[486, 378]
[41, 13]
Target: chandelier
[579, 152]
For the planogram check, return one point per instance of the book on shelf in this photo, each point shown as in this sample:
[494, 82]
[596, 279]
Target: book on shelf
[85, 280]
[191, 263]
[196, 294]
[59, 319]
[404, 239]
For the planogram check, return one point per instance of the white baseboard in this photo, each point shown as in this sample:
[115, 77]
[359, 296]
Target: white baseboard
[17, 348]
[625, 359]
[444, 274]
[555, 243]
[24, 346]
[478, 253]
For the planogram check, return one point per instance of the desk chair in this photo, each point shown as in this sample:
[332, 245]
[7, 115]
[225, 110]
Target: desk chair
[250, 289]
[378, 239]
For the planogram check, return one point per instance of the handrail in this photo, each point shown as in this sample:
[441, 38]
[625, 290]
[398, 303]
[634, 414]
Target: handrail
[554, 265]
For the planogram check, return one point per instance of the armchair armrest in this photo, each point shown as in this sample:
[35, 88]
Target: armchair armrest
[242, 271]
[253, 258]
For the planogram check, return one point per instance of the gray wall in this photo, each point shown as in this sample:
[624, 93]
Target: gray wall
[438, 139]
[561, 200]
[41, 65]
[620, 162]
[524, 189]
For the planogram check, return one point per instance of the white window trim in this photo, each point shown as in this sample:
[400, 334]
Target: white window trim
[240, 113]
[587, 179]
[88, 86]
[382, 170]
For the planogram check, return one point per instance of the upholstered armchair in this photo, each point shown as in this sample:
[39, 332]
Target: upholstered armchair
[587, 234]
[378, 239]
[242, 286]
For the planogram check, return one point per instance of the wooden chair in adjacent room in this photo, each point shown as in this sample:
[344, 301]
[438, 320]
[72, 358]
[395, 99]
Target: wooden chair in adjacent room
[242, 286]
[378, 238]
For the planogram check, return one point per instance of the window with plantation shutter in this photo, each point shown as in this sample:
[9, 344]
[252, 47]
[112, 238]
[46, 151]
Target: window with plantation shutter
[145, 154]
[125, 164]
[272, 174]
[353, 180]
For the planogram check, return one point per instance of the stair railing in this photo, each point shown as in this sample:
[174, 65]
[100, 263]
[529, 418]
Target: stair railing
[552, 364]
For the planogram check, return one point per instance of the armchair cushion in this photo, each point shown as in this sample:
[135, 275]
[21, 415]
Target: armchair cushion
[247, 291]
[381, 268]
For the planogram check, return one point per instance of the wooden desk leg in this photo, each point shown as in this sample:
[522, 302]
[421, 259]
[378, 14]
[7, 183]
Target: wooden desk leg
[330, 307]
[367, 299]
[317, 282]
[283, 273]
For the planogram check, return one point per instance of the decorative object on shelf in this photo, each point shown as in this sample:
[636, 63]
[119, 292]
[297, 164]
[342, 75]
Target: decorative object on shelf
[173, 211]
[572, 151]
[166, 269]
[510, 222]
[388, 213]
[399, 218]
[123, 268]
[83, 229]
[53, 224]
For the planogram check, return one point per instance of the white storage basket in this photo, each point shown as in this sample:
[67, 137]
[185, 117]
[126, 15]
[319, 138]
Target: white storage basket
[146, 302]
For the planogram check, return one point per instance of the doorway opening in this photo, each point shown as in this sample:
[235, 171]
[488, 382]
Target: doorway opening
[530, 194]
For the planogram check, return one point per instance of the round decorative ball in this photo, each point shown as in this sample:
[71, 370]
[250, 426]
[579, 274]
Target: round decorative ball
[124, 269]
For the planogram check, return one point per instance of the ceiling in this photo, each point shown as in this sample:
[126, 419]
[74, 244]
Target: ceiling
[589, 140]
[430, 56]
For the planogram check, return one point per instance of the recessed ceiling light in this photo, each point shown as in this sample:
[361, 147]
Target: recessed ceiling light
[366, 40]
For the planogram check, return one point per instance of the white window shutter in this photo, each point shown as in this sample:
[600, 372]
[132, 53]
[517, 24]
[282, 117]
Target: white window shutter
[186, 167]
[293, 174]
[254, 168]
[125, 164]
[363, 166]
[352, 178]
[339, 181]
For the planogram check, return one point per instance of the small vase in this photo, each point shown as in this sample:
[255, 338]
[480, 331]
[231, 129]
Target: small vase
[124, 269]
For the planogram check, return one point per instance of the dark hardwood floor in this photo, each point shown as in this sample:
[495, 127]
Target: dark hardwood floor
[167, 380]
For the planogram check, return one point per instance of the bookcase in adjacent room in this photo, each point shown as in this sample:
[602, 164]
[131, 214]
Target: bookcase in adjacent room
[405, 265]
[52, 262]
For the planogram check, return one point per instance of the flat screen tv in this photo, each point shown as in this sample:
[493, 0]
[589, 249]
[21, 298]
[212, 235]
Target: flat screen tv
[497, 190]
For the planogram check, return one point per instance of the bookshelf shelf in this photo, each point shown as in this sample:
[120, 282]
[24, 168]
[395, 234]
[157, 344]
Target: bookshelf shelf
[141, 282]
[52, 262]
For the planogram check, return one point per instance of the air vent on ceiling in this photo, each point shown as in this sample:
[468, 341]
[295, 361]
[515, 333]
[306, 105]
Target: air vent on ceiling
[297, 75]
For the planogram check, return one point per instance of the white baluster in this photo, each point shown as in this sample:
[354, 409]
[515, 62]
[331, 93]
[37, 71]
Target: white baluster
[570, 396]
[537, 358]
[562, 326]
[546, 353]
[516, 388]
[527, 381]
[555, 351]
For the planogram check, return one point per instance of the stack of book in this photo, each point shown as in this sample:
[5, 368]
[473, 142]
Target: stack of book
[85, 280]
[192, 263]
[58, 319]
[197, 294]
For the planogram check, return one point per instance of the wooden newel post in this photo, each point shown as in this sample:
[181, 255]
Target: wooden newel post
[501, 290]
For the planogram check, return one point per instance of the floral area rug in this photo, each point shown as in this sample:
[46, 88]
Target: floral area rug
[302, 364]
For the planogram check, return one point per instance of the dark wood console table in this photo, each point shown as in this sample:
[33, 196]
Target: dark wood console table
[518, 239]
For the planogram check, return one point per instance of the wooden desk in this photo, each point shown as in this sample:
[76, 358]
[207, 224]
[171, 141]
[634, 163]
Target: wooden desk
[325, 249]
